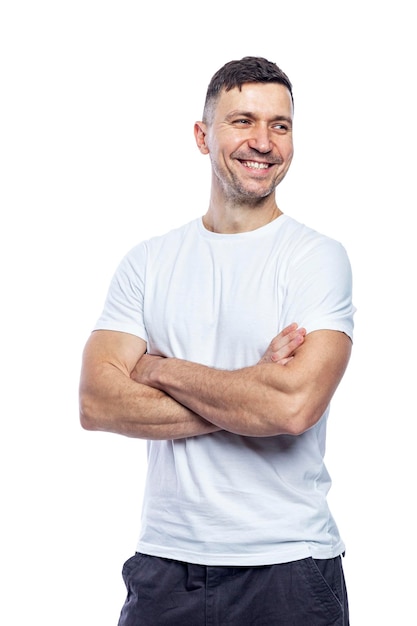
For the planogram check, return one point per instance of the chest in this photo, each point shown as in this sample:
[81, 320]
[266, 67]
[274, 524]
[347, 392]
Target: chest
[214, 304]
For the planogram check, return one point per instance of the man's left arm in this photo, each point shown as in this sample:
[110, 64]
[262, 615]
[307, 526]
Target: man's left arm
[262, 400]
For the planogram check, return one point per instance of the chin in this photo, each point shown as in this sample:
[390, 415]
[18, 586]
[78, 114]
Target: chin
[257, 194]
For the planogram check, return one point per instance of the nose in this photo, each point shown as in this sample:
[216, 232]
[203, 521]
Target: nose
[260, 139]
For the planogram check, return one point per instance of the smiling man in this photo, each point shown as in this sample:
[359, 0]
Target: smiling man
[249, 138]
[222, 343]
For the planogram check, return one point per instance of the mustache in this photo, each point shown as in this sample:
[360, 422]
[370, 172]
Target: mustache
[256, 156]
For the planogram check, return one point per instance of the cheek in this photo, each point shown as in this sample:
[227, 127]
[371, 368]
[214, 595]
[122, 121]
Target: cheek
[224, 143]
[287, 152]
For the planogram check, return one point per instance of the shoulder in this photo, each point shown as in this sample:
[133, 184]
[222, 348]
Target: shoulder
[147, 249]
[305, 246]
[169, 238]
[301, 234]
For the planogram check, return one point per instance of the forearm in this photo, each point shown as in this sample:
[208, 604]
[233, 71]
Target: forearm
[263, 400]
[112, 402]
[244, 401]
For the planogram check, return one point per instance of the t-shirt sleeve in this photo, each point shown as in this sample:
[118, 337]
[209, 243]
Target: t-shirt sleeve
[124, 305]
[320, 288]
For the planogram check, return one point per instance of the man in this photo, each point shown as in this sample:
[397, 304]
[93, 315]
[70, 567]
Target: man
[222, 343]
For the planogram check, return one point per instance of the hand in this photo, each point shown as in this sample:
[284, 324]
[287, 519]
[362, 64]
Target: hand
[143, 367]
[282, 347]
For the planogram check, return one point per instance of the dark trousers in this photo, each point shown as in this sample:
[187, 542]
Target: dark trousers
[164, 592]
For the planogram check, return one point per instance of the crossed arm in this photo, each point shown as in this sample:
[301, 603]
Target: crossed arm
[126, 391]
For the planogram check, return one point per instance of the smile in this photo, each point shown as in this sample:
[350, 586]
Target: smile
[255, 165]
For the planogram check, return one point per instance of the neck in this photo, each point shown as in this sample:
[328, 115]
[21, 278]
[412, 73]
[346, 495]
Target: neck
[234, 218]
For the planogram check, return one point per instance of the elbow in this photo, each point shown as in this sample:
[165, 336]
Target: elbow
[302, 416]
[86, 422]
[88, 415]
[298, 426]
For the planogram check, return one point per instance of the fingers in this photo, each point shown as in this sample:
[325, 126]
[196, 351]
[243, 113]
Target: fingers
[282, 347]
[288, 329]
[284, 344]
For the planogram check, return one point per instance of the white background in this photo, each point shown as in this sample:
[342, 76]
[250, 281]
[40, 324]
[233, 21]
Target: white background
[98, 101]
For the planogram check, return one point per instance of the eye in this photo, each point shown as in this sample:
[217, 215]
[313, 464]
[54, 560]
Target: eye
[282, 129]
[241, 122]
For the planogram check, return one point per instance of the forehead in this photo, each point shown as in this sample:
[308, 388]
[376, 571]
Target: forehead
[267, 100]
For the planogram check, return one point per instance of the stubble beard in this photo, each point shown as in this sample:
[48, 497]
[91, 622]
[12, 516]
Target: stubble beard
[239, 193]
[236, 191]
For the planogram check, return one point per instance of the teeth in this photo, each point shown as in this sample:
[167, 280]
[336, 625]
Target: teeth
[255, 165]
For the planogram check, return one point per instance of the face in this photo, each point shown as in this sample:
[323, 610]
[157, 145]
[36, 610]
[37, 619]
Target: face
[249, 140]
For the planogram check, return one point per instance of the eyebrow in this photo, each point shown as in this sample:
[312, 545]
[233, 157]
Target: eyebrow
[277, 118]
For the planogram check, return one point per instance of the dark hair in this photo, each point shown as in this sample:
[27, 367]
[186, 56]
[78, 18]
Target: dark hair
[236, 73]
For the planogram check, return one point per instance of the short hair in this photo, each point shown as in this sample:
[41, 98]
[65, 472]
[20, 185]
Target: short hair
[236, 73]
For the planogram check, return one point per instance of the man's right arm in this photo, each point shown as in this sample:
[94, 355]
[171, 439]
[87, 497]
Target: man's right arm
[111, 401]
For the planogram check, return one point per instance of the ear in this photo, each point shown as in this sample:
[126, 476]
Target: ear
[200, 134]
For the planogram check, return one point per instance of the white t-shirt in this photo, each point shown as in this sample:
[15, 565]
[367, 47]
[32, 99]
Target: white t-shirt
[216, 299]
